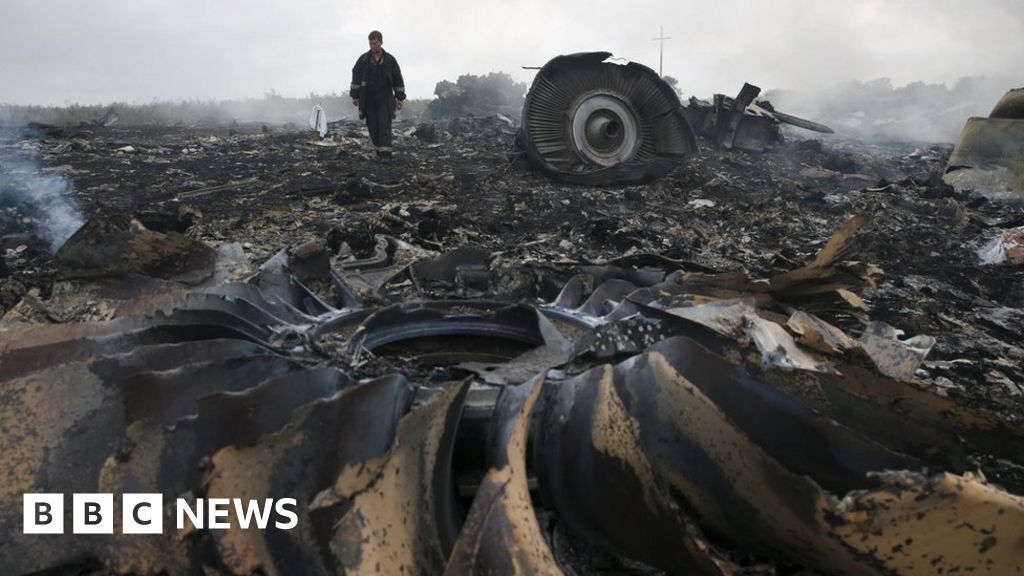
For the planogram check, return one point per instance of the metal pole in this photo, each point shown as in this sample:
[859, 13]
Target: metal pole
[661, 51]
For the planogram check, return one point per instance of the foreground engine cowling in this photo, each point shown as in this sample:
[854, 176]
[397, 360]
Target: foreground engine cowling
[587, 121]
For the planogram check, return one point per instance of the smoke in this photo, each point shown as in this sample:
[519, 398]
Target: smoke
[34, 200]
[877, 111]
[495, 93]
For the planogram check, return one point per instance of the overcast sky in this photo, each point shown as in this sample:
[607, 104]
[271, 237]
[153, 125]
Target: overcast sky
[101, 51]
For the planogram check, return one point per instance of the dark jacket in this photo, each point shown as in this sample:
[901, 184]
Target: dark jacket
[392, 79]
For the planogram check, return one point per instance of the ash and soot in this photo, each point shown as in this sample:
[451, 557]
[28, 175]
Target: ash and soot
[35, 200]
[592, 330]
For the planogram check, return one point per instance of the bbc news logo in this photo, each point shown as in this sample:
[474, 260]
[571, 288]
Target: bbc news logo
[143, 513]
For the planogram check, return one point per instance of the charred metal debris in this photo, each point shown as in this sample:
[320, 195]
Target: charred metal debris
[456, 367]
[453, 413]
[743, 122]
[989, 156]
[590, 120]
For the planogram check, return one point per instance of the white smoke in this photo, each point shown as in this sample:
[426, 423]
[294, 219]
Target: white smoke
[880, 111]
[32, 199]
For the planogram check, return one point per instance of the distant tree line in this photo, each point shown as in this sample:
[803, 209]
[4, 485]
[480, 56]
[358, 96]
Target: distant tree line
[492, 93]
[272, 108]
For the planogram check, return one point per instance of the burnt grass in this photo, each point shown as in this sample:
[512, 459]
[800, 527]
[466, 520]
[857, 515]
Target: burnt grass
[270, 187]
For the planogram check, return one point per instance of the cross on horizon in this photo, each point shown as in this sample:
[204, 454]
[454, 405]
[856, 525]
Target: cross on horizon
[661, 51]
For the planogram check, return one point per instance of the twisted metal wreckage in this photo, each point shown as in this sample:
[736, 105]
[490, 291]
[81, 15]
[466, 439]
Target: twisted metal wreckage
[587, 120]
[989, 155]
[651, 408]
[466, 414]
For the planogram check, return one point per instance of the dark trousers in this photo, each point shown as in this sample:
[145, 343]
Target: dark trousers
[378, 121]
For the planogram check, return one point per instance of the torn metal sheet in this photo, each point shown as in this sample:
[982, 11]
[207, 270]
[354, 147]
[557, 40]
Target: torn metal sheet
[727, 317]
[895, 358]
[56, 427]
[276, 282]
[363, 282]
[819, 335]
[556, 350]
[739, 319]
[70, 394]
[40, 347]
[742, 123]
[779, 349]
[730, 113]
[403, 517]
[589, 452]
[794, 120]
[988, 159]
[618, 338]
[188, 336]
[87, 443]
[320, 447]
[606, 296]
[904, 416]
[319, 426]
[197, 316]
[171, 461]
[703, 453]
[750, 488]
[282, 310]
[943, 524]
[588, 121]
[901, 415]
[33, 342]
[638, 274]
[989, 155]
[260, 320]
[170, 395]
[165, 357]
[501, 534]
[572, 293]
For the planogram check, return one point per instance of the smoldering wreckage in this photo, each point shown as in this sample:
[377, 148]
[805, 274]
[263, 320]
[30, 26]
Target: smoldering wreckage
[726, 362]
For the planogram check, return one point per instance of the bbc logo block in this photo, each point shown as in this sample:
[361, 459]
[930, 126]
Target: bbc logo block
[93, 514]
[43, 514]
[142, 514]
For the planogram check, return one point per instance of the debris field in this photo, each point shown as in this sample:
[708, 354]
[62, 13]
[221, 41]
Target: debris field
[804, 360]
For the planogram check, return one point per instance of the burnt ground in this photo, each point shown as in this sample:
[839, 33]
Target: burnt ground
[268, 188]
[759, 214]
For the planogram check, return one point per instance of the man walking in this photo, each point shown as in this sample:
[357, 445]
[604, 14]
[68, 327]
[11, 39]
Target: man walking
[378, 90]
